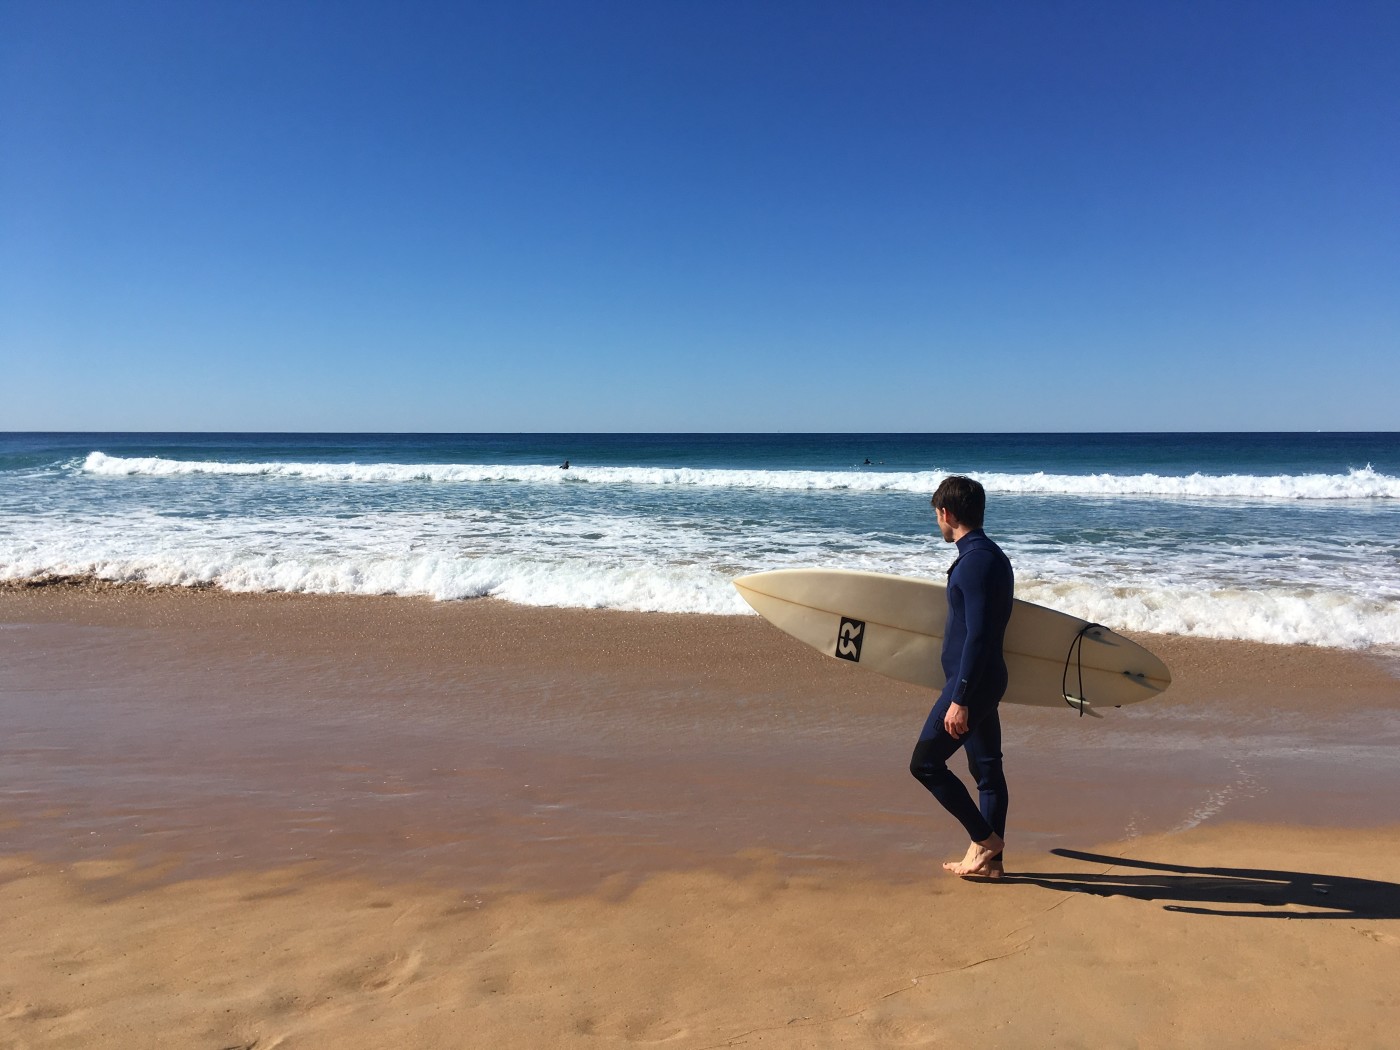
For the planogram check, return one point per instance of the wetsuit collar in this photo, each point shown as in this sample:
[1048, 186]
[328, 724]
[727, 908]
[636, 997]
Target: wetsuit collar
[974, 534]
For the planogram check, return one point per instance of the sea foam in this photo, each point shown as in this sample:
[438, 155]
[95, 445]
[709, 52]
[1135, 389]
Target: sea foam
[1358, 483]
[615, 537]
[1272, 614]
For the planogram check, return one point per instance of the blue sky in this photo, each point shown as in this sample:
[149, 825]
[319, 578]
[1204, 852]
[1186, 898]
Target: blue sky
[652, 215]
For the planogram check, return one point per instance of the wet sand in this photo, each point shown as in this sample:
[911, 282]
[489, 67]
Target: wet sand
[233, 820]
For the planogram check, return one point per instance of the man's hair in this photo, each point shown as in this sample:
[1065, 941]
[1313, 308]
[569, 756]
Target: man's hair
[963, 498]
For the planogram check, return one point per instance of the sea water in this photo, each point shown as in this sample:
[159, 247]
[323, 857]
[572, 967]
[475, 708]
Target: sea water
[1270, 537]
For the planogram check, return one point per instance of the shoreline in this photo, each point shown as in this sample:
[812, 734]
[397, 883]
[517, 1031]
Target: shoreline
[92, 585]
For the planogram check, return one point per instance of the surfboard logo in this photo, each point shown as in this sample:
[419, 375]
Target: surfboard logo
[849, 639]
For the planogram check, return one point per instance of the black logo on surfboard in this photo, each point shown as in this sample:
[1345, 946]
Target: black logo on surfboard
[849, 639]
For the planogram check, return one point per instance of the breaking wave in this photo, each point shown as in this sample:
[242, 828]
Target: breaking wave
[1358, 483]
[1280, 615]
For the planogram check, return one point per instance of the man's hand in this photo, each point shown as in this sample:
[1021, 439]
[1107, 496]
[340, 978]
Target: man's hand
[955, 721]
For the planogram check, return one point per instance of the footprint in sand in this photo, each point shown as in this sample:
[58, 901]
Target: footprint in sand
[388, 973]
[633, 1028]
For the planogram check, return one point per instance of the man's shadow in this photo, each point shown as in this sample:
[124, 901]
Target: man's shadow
[1269, 892]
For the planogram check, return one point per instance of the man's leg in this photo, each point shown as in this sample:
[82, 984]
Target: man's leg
[929, 765]
[983, 744]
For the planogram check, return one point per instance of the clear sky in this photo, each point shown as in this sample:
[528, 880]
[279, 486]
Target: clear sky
[699, 215]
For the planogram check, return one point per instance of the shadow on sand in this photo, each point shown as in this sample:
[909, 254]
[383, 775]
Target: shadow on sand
[1253, 892]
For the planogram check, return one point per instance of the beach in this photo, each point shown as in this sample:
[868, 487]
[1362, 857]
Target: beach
[423, 421]
[305, 821]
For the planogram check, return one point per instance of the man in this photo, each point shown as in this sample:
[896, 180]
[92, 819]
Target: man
[979, 606]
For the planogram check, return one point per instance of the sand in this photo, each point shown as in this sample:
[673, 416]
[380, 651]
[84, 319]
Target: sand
[238, 821]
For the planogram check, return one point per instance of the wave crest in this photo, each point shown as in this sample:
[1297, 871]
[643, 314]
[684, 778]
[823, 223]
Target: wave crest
[1358, 483]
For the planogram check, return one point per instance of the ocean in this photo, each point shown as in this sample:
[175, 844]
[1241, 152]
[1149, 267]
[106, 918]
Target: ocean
[1286, 538]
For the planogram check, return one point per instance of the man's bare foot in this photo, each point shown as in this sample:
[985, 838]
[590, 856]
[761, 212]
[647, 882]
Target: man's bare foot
[993, 870]
[978, 859]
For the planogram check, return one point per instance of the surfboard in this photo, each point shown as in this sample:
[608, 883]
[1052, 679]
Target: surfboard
[894, 625]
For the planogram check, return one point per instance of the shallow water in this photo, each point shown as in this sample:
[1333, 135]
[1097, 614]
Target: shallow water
[265, 736]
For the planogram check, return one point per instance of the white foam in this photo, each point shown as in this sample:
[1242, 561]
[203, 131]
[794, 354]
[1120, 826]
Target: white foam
[1213, 804]
[1362, 483]
[630, 565]
[1314, 585]
[1357, 483]
[581, 585]
[1279, 615]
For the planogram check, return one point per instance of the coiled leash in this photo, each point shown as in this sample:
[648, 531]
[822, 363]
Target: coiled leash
[1076, 653]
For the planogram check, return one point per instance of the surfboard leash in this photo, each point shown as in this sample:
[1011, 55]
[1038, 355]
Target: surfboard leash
[1076, 653]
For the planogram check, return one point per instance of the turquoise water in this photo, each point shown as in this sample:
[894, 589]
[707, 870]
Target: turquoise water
[1272, 537]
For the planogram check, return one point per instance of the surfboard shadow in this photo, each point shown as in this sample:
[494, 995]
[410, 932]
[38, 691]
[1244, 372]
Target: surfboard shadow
[1265, 890]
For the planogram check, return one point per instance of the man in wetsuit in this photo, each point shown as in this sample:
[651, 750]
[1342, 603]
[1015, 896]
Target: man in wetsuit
[979, 606]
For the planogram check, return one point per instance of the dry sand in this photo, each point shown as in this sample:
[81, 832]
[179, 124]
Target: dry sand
[238, 821]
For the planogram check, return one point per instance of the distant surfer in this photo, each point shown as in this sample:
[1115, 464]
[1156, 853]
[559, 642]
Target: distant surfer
[564, 465]
[979, 606]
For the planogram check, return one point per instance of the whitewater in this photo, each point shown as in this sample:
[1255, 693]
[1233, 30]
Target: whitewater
[1268, 541]
[1356, 483]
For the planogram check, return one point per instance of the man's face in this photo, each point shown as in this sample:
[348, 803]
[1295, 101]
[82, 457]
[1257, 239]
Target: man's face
[945, 524]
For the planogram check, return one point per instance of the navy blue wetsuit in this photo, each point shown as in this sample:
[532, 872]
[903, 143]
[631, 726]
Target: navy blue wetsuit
[979, 605]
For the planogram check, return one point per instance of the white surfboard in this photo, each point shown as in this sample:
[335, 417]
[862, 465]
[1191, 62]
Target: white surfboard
[894, 625]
